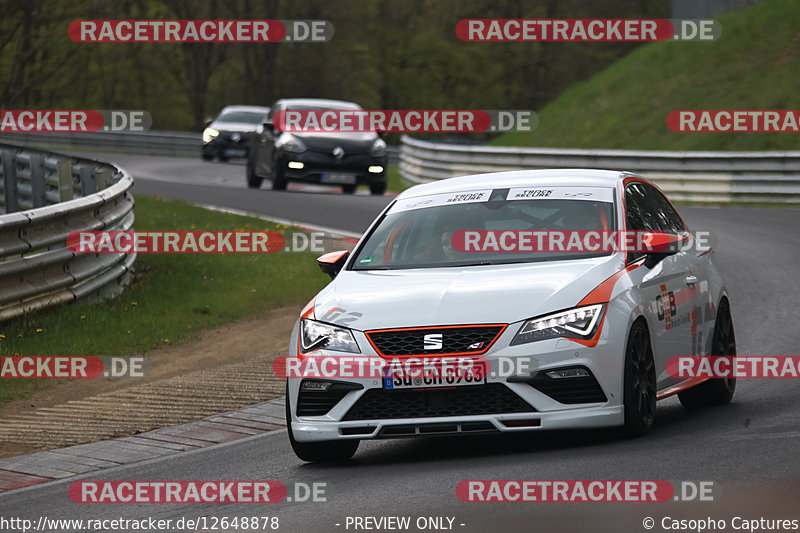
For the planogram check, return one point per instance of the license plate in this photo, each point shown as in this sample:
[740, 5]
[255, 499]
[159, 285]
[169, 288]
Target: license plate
[234, 152]
[344, 179]
[410, 380]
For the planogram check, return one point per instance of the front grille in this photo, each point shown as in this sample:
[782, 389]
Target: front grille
[492, 398]
[569, 390]
[434, 340]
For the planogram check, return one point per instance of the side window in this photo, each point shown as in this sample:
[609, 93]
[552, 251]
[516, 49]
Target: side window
[639, 214]
[637, 217]
[667, 218]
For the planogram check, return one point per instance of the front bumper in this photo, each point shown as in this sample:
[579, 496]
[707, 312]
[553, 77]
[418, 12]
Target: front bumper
[318, 166]
[541, 408]
[225, 145]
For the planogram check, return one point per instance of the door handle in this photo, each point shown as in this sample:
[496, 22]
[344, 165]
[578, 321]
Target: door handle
[691, 280]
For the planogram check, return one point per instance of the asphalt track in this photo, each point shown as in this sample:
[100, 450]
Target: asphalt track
[749, 448]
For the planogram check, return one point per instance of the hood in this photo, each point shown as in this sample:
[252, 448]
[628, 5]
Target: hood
[234, 126]
[378, 299]
[350, 142]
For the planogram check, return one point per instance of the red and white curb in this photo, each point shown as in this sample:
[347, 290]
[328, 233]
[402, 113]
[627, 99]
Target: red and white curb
[41, 467]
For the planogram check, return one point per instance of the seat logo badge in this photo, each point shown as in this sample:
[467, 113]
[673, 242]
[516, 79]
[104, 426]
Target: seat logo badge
[433, 341]
[338, 152]
[236, 137]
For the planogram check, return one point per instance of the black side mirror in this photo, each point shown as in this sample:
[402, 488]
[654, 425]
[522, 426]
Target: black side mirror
[269, 126]
[662, 245]
[331, 263]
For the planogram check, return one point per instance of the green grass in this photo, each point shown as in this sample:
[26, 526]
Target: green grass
[172, 298]
[394, 181]
[754, 65]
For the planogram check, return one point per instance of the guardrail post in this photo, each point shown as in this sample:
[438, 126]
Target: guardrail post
[88, 183]
[10, 181]
[64, 172]
[37, 180]
[103, 178]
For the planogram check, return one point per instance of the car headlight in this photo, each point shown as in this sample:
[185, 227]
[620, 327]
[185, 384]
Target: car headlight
[577, 323]
[209, 133]
[316, 335]
[378, 148]
[289, 143]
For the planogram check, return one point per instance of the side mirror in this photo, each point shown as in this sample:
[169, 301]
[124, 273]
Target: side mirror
[659, 245]
[269, 126]
[331, 263]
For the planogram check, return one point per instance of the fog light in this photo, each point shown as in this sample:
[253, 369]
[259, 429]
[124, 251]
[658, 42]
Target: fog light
[568, 373]
[375, 169]
[315, 385]
[295, 164]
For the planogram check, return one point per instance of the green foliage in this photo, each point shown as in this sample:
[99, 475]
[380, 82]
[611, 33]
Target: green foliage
[387, 54]
[753, 66]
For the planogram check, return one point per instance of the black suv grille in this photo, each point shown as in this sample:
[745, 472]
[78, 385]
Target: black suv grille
[492, 398]
[425, 341]
[570, 390]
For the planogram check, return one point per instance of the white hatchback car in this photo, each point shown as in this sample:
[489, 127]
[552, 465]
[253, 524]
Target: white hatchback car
[586, 335]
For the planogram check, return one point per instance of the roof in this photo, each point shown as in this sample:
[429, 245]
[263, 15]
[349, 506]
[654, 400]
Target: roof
[321, 102]
[576, 177]
[254, 108]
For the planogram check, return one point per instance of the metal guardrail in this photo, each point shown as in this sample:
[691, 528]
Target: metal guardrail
[173, 143]
[46, 196]
[688, 176]
[144, 142]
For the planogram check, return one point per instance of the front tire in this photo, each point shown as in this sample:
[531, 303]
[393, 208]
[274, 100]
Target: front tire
[377, 188]
[328, 451]
[640, 382]
[278, 178]
[253, 180]
[715, 391]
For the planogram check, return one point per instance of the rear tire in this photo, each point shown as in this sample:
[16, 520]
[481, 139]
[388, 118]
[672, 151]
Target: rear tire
[377, 188]
[715, 391]
[640, 382]
[208, 157]
[253, 181]
[328, 451]
[348, 189]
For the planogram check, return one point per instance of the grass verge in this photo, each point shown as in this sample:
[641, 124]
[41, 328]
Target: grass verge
[171, 299]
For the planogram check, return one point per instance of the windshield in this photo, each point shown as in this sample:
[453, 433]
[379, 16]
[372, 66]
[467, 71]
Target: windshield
[429, 231]
[248, 117]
